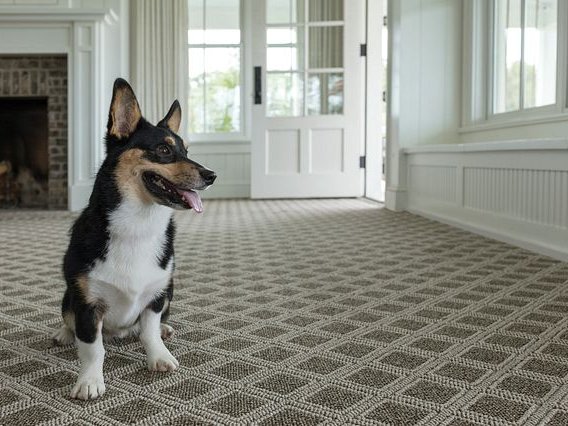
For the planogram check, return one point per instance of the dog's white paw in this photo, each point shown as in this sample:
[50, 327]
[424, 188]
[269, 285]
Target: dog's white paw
[166, 331]
[162, 361]
[88, 387]
[63, 336]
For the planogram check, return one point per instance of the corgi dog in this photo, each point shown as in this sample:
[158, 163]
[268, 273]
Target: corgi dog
[120, 260]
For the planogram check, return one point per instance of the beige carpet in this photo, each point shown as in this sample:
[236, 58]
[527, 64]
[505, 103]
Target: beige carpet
[300, 313]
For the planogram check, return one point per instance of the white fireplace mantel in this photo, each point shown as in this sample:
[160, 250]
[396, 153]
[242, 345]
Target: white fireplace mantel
[95, 42]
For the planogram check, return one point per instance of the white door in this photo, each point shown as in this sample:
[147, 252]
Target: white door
[308, 101]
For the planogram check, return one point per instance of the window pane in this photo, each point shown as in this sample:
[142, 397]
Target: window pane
[325, 94]
[283, 59]
[326, 10]
[284, 94]
[541, 17]
[507, 55]
[222, 89]
[284, 11]
[196, 102]
[222, 22]
[283, 36]
[286, 49]
[326, 47]
[214, 71]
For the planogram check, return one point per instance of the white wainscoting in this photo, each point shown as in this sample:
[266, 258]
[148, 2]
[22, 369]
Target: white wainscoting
[515, 192]
[231, 161]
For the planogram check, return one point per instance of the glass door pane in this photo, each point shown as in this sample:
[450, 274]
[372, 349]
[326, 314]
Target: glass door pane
[304, 60]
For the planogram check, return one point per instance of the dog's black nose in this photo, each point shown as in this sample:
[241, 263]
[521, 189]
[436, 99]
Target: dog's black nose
[208, 176]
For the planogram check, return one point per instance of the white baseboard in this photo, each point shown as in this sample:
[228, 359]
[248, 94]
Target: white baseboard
[547, 240]
[395, 199]
[516, 193]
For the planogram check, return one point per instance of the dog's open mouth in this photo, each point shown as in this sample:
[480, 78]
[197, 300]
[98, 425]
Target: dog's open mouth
[164, 189]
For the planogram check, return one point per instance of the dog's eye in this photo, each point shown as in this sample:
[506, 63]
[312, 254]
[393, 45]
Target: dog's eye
[164, 150]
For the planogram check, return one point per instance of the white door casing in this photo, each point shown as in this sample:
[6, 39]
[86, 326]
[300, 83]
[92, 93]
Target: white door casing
[307, 155]
[374, 122]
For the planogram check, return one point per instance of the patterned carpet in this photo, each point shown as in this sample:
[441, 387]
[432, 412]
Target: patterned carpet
[299, 313]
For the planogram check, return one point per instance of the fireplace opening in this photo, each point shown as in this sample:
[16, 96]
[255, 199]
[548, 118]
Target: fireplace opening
[24, 163]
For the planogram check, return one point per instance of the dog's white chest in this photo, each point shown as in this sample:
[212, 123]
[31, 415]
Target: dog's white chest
[130, 277]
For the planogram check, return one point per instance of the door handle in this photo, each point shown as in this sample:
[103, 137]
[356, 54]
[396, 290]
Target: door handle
[257, 85]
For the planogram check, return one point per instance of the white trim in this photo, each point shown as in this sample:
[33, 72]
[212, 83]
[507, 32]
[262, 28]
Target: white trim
[374, 104]
[512, 145]
[227, 147]
[51, 14]
[516, 121]
[547, 240]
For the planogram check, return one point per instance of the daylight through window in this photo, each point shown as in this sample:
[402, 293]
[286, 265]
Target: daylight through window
[215, 51]
[524, 54]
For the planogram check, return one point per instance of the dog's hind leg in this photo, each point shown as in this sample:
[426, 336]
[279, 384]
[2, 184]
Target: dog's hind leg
[63, 336]
[167, 331]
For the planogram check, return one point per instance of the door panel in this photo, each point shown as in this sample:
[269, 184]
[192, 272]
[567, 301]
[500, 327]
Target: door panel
[283, 152]
[308, 130]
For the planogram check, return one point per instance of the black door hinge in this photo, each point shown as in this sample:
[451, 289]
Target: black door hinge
[385, 21]
[362, 162]
[363, 49]
[384, 96]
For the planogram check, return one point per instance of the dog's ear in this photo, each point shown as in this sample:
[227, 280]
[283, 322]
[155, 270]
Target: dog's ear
[172, 120]
[124, 114]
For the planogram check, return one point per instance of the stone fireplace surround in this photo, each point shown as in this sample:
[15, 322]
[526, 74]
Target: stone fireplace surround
[43, 76]
[92, 39]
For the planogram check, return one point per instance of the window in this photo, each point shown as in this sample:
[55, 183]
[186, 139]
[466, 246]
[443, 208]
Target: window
[524, 54]
[215, 58]
[515, 63]
[304, 59]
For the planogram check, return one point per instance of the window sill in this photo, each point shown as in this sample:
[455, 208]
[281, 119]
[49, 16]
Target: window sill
[242, 141]
[510, 123]
[553, 144]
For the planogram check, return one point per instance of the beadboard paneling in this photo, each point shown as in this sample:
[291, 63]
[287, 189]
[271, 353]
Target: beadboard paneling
[538, 196]
[231, 162]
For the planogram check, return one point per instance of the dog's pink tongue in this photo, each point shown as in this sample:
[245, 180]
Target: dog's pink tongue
[193, 199]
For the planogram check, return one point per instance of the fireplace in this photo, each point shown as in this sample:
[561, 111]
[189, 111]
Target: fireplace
[23, 152]
[33, 131]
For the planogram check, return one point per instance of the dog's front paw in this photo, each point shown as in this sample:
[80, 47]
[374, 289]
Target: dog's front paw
[88, 387]
[162, 361]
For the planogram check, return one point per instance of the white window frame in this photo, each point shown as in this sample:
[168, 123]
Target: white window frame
[477, 94]
[245, 60]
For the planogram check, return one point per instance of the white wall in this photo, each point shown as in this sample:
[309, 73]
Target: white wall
[424, 83]
[508, 182]
[430, 71]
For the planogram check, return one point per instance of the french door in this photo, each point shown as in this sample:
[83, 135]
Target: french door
[308, 100]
